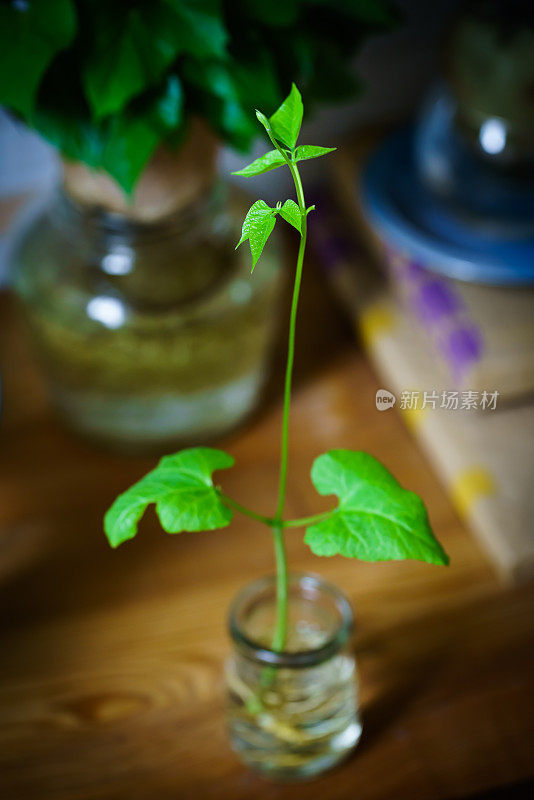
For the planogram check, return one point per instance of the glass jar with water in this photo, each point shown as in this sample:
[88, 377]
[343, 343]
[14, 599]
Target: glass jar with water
[150, 333]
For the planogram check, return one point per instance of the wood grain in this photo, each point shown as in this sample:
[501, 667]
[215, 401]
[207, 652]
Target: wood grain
[111, 663]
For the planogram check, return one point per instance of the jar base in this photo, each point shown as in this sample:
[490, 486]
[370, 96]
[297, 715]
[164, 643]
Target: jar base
[294, 767]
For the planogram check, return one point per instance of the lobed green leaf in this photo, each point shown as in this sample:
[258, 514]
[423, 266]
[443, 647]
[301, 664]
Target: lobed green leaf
[182, 488]
[271, 160]
[286, 121]
[376, 518]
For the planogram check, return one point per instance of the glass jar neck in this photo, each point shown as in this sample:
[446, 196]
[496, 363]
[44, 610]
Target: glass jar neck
[320, 621]
[93, 221]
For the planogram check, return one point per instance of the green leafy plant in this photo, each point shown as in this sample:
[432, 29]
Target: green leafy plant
[375, 518]
[107, 82]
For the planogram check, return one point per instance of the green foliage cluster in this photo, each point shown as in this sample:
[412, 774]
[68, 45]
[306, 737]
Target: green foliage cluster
[106, 81]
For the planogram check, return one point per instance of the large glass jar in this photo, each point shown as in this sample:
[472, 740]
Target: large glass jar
[150, 333]
[292, 714]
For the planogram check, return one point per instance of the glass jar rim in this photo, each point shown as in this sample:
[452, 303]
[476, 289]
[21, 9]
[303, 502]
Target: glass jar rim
[284, 658]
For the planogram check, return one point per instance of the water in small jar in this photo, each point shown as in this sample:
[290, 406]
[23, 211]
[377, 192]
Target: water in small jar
[293, 723]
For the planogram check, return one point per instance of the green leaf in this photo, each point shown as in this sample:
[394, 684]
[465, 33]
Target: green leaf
[376, 518]
[271, 160]
[132, 51]
[130, 143]
[257, 227]
[276, 12]
[286, 121]
[169, 106]
[264, 121]
[255, 211]
[182, 488]
[77, 137]
[253, 71]
[62, 116]
[31, 34]
[129, 55]
[258, 236]
[213, 87]
[132, 136]
[199, 27]
[291, 213]
[306, 151]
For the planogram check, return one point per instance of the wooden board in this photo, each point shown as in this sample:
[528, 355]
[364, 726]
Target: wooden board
[111, 661]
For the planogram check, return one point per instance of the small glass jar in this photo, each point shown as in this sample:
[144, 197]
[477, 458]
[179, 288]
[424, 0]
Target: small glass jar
[150, 333]
[292, 714]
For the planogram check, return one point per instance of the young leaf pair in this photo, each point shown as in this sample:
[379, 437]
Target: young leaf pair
[283, 128]
[260, 221]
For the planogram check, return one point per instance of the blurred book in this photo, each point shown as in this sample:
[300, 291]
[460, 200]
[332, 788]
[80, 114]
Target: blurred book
[481, 334]
[484, 335]
[480, 446]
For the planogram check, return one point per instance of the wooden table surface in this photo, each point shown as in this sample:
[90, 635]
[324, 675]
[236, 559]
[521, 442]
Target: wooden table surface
[111, 661]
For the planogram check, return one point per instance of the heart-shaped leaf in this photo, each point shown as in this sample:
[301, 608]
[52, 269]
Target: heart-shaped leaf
[271, 160]
[291, 213]
[182, 488]
[257, 227]
[286, 121]
[376, 518]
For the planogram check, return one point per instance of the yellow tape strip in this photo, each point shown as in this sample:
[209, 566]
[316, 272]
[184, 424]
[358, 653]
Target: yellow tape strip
[469, 485]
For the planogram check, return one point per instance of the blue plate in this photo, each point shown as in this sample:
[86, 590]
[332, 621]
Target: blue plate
[411, 218]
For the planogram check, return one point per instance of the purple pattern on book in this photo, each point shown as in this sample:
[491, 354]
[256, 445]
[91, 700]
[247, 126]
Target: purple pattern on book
[441, 311]
[435, 300]
[462, 347]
